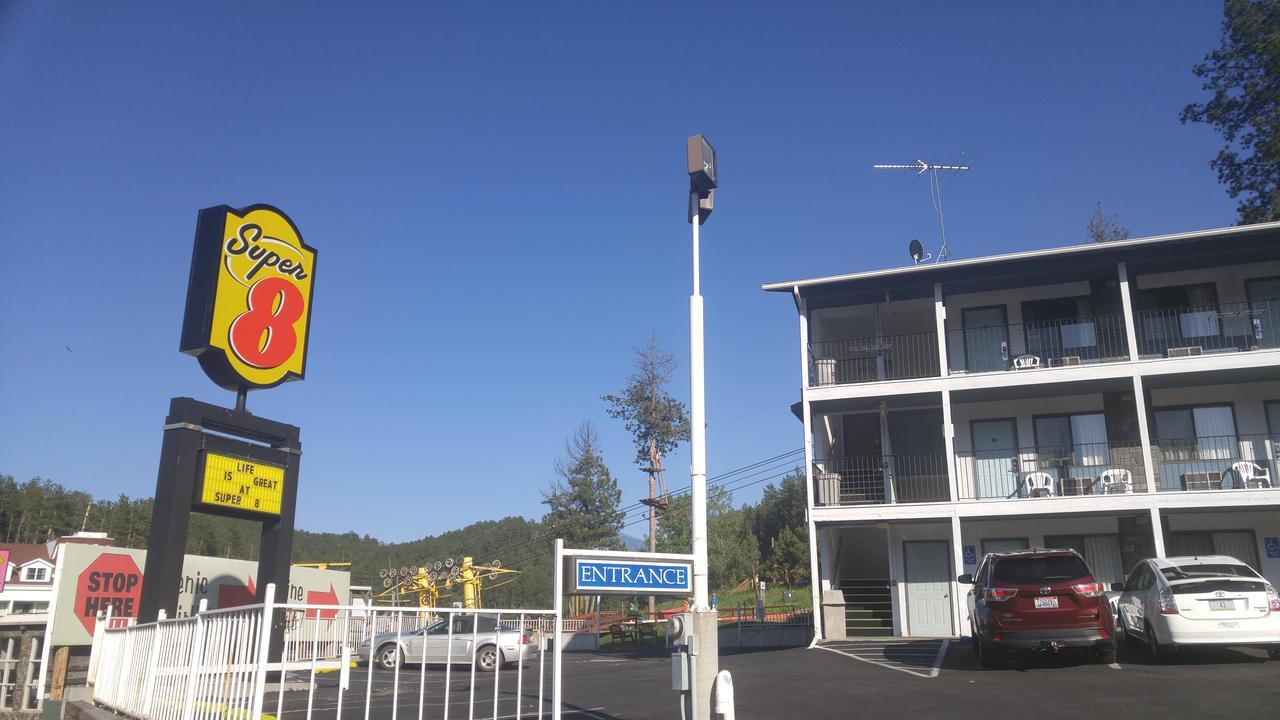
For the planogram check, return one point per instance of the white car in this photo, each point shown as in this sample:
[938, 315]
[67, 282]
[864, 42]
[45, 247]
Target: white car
[436, 644]
[1205, 600]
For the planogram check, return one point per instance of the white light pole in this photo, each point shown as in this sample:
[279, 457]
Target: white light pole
[704, 650]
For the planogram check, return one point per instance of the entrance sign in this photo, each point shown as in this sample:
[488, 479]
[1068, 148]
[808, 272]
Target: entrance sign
[241, 484]
[249, 297]
[605, 576]
[606, 572]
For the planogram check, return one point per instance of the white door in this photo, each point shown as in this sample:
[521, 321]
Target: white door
[995, 445]
[928, 588]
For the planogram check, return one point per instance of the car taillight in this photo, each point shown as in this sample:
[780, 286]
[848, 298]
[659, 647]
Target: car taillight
[524, 639]
[1273, 598]
[994, 594]
[1168, 605]
[1093, 589]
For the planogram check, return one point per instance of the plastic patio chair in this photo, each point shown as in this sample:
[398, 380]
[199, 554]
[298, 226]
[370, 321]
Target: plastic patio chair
[1250, 475]
[1116, 480]
[1040, 484]
[1026, 362]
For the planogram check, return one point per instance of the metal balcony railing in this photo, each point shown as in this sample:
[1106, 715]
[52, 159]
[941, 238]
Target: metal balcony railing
[867, 359]
[1039, 344]
[1074, 470]
[880, 479]
[1226, 462]
[1226, 327]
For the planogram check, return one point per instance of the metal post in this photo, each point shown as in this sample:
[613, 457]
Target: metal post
[559, 608]
[698, 432]
[264, 648]
[704, 653]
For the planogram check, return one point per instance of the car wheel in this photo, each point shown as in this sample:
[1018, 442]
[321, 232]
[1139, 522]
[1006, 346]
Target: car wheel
[487, 658]
[1160, 654]
[988, 657]
[1273, 653]
[1125, 633]
[388, 657]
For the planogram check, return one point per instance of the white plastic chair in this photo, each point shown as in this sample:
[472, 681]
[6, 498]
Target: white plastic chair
[1026, 362]
[1116, 480]
[1250, 474]
[1040, 484]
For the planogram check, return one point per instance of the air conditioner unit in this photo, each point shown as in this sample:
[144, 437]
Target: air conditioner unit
[1071, 360]
[1185, 351]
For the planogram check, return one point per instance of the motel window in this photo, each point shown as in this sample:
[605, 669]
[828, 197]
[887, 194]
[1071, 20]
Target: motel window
[31, 693]
[8, 670]
[1239, 544]
[35, 573]
[999, 545]
[1100, 552]
[1197, 433]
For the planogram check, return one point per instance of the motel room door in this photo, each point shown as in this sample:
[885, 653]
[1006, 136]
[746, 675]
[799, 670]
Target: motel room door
[928, 587]
[995, 445]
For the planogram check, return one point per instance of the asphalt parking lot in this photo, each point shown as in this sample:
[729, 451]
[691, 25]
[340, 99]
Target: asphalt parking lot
[889, 680]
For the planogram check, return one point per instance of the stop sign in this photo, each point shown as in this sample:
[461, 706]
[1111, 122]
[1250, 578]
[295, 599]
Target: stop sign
[111, 581]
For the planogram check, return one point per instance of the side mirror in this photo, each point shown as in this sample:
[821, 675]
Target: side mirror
[1117, 586]
[966, 578]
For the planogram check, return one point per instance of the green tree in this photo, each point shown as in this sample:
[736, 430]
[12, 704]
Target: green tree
[1243, 75]
[657, 422]
[583, 501]
[1105, 229]
[733, 553]
[788, 559]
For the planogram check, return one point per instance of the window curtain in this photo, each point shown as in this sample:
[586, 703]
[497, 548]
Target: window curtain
[1090, 435]
[1239, 545]
[1102, 552]
[1215, 432]
[1191, 543]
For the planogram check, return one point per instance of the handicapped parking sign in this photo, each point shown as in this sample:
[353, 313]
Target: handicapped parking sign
[970, 555]
[1273, 546]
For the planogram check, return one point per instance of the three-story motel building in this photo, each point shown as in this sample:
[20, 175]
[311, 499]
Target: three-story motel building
[1120, 398]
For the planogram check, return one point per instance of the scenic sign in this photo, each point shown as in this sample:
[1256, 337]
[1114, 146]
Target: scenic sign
[240, 484]
[612, 576]
[249, 297]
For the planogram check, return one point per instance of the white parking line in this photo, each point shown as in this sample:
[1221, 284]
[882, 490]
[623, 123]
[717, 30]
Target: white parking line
[932, 673]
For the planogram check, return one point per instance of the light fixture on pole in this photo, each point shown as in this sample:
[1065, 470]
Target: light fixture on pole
[704, 650]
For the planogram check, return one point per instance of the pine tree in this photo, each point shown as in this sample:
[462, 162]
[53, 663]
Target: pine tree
[583, 501]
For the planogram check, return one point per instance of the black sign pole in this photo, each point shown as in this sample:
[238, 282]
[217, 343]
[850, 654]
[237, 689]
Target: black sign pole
[276, 549]
[170, 515]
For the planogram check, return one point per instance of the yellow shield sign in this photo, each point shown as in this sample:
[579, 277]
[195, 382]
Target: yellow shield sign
[249, 297]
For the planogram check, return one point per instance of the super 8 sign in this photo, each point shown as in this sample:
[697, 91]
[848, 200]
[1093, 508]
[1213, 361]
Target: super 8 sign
[249, 297]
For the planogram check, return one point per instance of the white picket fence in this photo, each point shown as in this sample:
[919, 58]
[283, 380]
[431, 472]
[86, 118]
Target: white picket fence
[214, 665]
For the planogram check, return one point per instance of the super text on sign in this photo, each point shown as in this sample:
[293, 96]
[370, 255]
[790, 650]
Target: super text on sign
[249, 297]
[240, 484]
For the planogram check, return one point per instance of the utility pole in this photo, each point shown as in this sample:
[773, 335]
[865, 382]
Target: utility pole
[657, 501]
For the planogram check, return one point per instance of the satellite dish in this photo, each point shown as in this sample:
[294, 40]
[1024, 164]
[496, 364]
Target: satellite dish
[917, 251]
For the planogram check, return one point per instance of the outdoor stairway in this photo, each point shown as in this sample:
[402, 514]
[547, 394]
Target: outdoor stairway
[868, 610]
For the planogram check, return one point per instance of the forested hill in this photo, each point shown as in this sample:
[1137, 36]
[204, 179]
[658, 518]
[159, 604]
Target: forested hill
[766, 539]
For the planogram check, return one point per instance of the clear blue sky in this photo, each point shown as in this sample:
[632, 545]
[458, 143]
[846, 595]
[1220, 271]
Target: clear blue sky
[497, 194]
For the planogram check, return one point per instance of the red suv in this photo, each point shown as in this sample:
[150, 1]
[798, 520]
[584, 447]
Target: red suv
[1045, 600]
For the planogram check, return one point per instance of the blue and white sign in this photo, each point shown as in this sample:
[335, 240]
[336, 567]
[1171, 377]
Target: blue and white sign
[1273, 546]
[605, 576]
[970, 555]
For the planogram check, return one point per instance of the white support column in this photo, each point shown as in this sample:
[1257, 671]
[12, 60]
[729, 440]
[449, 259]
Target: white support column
[886, 455]
[940, 318]
[1157, 532]
[1126, 299]
[1148, 460]
[807, 418]
[949, 441]
[957, 568]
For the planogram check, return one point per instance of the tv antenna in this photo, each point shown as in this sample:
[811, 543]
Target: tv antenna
[921, 167]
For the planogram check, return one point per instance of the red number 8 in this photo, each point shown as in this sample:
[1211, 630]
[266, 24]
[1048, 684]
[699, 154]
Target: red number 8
[248, 329]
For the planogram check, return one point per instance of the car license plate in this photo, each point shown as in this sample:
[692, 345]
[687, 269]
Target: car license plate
[1222, 604]
[1228, 625]
[1047, 602]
